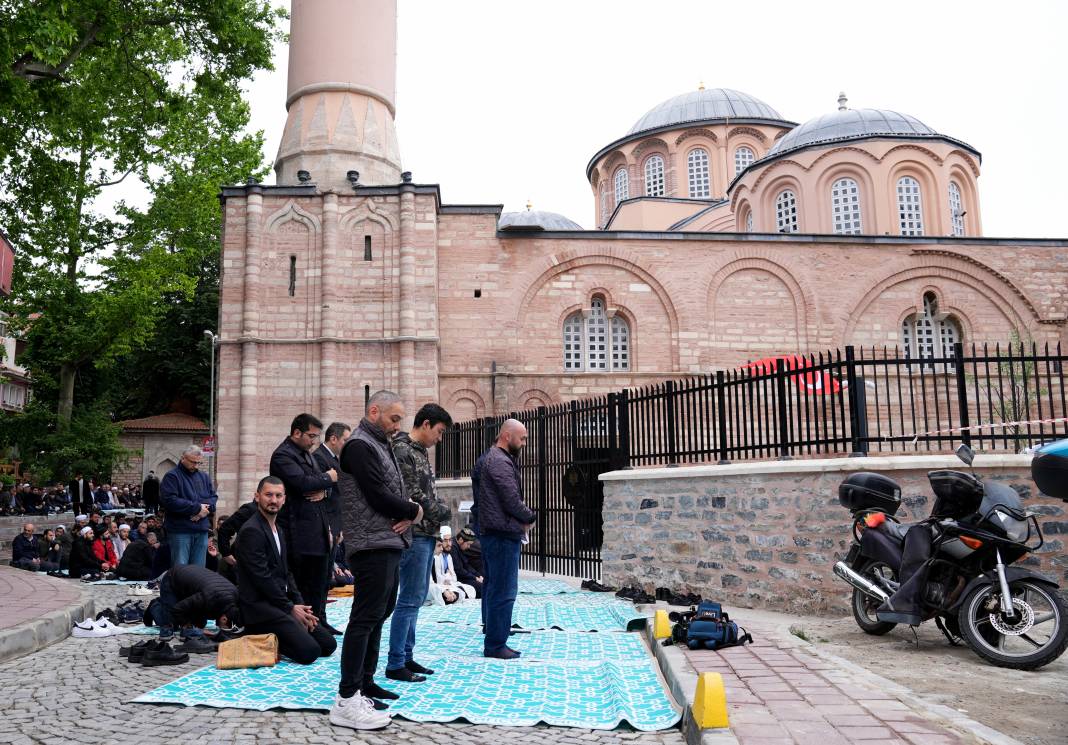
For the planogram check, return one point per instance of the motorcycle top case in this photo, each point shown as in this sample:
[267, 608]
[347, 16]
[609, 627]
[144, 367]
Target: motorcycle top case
[870, 491]
[957, 494]
[1049, 469]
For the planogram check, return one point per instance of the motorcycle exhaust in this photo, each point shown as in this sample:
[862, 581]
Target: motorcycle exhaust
[860, 582]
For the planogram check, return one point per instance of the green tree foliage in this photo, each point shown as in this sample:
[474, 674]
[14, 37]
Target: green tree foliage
[96, 95]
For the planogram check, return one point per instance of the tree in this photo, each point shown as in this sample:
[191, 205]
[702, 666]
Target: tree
[96, 95]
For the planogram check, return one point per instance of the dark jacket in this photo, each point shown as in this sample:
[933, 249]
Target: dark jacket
[23, 548]
[202, 594]
[136, 561]
[266, 590]
[498, 492]
[181, 494]
[305, 523]
[464, 571]
[332, 504]
[372, 493]
[229, 528]
[150, 490]
[82, 560]
[64, 542]
[414, 464]
[85, 497]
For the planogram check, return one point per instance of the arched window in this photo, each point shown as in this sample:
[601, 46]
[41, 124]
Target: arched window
[749, 221]
[743, 156]
[956, 209]
[654, 176]
[594, 342]
[622, 185]
[909, 206]
[845, 207]
[930, 335]
[786, 212]
[697, 168]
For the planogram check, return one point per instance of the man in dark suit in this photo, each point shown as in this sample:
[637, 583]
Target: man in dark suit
[150, 492]
[326, 456]
[267, 594]
[81, 495]
[305, 519]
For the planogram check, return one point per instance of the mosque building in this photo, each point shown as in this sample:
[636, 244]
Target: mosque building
[725, 233]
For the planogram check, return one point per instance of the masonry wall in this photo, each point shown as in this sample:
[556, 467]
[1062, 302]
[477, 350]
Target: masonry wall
[766, 535]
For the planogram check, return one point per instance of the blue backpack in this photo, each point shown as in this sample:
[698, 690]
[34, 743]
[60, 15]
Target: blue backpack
[708, 627]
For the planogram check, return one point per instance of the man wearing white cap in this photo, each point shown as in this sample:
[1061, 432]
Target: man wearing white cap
[82, 559]
[444, 580]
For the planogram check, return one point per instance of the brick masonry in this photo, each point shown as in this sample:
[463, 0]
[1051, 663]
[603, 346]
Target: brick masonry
[765, 535]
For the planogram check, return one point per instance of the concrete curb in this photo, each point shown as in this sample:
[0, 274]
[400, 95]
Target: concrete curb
[44, 630]
[907, 696]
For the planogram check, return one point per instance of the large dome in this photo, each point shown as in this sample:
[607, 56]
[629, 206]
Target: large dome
[851, 124]
[703, 105]
[536, 220]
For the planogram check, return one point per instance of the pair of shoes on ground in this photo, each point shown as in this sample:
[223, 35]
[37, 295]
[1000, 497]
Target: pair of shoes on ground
[95, 629]
[412, 672]
[153, 653]
[677, 598]
[635, 595]
[358, 712]
[225, 635]
[505, 653]
[57, 573]
[594, 586]
[139, 590]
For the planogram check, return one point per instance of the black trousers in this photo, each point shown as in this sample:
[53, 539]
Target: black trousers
[375, 578]
[296, 642]
[312, 573]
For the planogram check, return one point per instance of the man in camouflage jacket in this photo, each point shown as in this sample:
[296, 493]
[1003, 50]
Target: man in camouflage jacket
[414, 463]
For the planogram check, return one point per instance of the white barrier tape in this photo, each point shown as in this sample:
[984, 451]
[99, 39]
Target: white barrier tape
[996, 425]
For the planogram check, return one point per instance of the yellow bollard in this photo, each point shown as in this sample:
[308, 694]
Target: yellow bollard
[661, 625]
[710, 702]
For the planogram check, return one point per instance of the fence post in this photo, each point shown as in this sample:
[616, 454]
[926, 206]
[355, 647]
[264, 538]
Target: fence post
[543, 489]
[669, 402]
[613, 440]
[962, 394]
[780, 411]
[858, 415]
[721, 415]
[623, 417]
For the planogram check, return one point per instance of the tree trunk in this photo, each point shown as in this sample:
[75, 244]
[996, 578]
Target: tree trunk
[67, 372]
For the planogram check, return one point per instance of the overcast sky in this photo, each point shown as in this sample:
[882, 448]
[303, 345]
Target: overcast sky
[501, 102]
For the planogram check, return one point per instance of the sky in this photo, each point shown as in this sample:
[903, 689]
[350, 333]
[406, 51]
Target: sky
[504, 102]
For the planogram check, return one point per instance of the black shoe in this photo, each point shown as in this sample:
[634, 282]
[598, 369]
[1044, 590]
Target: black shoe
[415, 667]
[403, 673]
[507, 653]
[164, 655]
[137, 652]
[331, 629]
[663, 593]
[641, 596]
[196, 645]
[594, 586]
[627, 592]
[373, 690]
[109, 614]
[223, 635]
[125, 651]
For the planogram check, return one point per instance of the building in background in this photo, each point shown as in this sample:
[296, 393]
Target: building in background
[14, 378]
[157, 443]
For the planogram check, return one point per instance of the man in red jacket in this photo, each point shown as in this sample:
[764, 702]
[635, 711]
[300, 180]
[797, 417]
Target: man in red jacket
[104, 551]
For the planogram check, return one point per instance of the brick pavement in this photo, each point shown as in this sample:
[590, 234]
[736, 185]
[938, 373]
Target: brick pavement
[780, 694]
[28, 595]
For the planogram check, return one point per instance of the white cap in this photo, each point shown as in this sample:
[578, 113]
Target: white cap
[446, 532]
[81, 518]
[123, 527]
[86, 530]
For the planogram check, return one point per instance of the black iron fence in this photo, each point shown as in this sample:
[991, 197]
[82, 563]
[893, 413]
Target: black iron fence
[845, 402]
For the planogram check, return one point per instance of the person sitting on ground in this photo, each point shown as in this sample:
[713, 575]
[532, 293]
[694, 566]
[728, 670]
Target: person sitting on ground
[64, 540]
[445, 588]
[120, 538]
[50, 551]
[140, 533]
[267, 594]
[228, 530]
[341, 575]
[26, 552]
[189, 596]
[137, 559]
[104, 551]
[465, 572]
[82, 559]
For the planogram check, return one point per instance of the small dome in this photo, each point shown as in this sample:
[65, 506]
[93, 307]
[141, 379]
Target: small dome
[535, 220]
[851, 124]
[704, 105]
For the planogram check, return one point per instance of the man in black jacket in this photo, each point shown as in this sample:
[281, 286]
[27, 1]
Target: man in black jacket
[226, 535]
[81, 494]
[150, 492]
[138, 558]
[327, 457]
[304, 517]
[190, 595]
[267, 593]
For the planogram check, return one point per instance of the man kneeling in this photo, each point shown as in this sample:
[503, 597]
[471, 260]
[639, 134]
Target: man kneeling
[267, 594]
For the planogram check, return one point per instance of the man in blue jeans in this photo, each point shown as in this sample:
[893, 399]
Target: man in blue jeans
[188, 499]
[503, 521]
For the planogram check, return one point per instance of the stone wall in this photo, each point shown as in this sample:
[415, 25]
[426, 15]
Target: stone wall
[767, 534]
[454, 491]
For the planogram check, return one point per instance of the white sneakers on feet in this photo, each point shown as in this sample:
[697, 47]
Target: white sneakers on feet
[357, 713]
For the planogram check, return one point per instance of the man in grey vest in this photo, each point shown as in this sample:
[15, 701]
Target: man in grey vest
[376, 517]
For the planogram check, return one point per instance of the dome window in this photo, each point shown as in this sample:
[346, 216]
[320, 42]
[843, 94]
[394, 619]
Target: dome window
[956, 209]
[697, 168]
[654, 176]
[786, 212]
[909, 206]
[743, 156]
[622, 182]
[845, 207]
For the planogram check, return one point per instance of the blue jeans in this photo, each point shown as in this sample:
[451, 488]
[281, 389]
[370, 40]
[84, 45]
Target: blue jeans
[188, 548]
[163, 613]
[414, 578]
[500, 562]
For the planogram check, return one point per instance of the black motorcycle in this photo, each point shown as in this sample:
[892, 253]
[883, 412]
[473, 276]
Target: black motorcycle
[955, 567]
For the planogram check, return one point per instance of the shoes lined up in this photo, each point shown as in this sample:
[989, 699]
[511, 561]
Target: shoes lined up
[594, 586]
[677, 598]
[153, 653]
[94, 629]
[139, 590]
[635, 595]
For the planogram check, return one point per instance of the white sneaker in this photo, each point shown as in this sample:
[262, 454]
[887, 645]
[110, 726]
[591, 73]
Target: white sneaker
[139, 590]
[357, 713]
[88, 629]
[108, 628]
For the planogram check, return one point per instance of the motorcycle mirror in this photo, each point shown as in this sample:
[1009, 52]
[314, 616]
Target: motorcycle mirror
[966, 454]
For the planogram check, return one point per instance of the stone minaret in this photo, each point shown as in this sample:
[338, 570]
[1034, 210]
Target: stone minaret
[342, 88]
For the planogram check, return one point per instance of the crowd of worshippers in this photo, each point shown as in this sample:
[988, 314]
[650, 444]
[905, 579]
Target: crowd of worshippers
[25, 499]
[339, 506]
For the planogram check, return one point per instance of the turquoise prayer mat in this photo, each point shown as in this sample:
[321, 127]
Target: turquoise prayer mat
[565, 677]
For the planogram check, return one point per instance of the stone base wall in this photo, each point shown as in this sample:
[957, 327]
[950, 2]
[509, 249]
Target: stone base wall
[765, 535]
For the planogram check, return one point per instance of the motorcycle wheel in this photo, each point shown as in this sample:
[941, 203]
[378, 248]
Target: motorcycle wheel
[864, 606]
[1035, 637]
